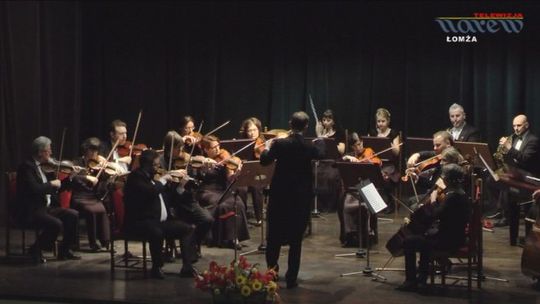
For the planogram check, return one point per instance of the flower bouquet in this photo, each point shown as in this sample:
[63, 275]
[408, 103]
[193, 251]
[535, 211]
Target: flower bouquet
[240, 282]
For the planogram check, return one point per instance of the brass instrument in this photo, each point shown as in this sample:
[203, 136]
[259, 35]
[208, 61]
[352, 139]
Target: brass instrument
[498, 157]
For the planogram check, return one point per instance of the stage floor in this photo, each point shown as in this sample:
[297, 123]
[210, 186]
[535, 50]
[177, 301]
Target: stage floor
[89, 280]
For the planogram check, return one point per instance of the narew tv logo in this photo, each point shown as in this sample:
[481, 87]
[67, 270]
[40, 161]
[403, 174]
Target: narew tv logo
[467, 29]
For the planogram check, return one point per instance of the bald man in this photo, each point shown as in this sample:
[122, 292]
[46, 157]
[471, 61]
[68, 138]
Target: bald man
[523, 153]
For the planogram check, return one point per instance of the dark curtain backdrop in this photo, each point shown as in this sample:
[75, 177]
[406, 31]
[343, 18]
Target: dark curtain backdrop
[80, 65]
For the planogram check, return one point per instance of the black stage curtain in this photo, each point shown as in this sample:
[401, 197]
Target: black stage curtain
[80, 65]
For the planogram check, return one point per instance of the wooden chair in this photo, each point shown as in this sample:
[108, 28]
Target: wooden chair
[127, 260]
[11, 221]
[468, 255]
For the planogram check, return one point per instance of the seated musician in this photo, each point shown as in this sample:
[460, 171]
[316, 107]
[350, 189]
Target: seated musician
[349, 214]
[520, 152]
[451, 213]
[117, 132]
[87, 193]
[147, 214]
[429, 161]
[328, 182]
[251, 129]
[224, 207]
[38, 206]
[461, 130]
[389, 169]
[182, 196]
[190, 136]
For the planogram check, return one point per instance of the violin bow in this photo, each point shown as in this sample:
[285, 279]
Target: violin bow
[426, 160]
[107, 159]
[171, 153]
[135, 133]
[61, 151]
[381, 152]
[219, 127]
[313, 108]
[238, 151]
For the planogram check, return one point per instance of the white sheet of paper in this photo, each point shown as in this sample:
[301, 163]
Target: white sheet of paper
[373, 199]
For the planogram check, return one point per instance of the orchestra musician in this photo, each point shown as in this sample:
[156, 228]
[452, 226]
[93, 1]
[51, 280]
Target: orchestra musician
[521, 151]
[461, 130]
[229, 212]
[147, 214]
[389, 168]
[328, 181]
[117, 132]
[291, 193]
[87, 192]
[348, 214]
[182, 196]
[451, 215]
[252, 129]
[38, 206]
[441, 141]
[190, 136]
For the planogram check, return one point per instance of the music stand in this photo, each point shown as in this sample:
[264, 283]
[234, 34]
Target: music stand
[331, 153]
[417, 144]
[470, 149]
[353, 175]
[233, 145]
[363, 178]
[380, 144]
[255, 175]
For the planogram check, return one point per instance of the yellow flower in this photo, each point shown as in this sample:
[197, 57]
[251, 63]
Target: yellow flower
[245, 291]
[256, 285]
[272, 287]
[241, 280]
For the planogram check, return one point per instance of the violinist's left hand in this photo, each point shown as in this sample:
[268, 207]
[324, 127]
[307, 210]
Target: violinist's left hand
[536, 195]
[125, 159]
[433, 197]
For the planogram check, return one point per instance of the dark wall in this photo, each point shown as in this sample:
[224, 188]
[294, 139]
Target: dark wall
[81, 64]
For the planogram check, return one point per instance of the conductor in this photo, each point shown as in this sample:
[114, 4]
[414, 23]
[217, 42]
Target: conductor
[291, 193]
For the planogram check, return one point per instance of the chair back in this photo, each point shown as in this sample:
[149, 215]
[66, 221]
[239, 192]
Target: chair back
[11, 197]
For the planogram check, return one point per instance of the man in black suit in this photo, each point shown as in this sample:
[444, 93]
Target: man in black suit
[452, 214]
[522, 152]
[147, 214]
[291, 193]
[117, 132]
[461, 130]
[38, 206]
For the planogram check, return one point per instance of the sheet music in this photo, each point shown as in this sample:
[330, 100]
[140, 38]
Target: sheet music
[373, 199]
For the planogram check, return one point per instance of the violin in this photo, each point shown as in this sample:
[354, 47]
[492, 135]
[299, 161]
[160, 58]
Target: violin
[259, 147]
[65, 166]
[192, 138]
[95, 166]
[126, 148]
[181, 161]
[422, 166]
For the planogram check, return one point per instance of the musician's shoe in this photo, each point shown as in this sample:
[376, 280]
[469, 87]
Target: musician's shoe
[188, 272]
[95, 248]
[408, 286]
[521, 242]
[68, 255]
[501, 223]
[157, 273]
[292, 284]
[36, 255]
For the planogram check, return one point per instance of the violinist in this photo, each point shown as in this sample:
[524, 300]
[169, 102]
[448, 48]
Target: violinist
[186, 207]
[389, 169]
[328, 182]
[191, 137]
[38, 206]
[431, 167]
[147, 214]
[251, 129]
[215, 176]
[349, 214]
[451, 216]
[118, 132]
[87, 192]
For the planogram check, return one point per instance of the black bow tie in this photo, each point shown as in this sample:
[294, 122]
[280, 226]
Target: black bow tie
[519, 137]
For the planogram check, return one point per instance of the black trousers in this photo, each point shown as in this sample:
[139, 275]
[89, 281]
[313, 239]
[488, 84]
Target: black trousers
[52, 221]
[412, 245]
[155, 232]
[96, 217]
[198, 216]
[273, 247]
